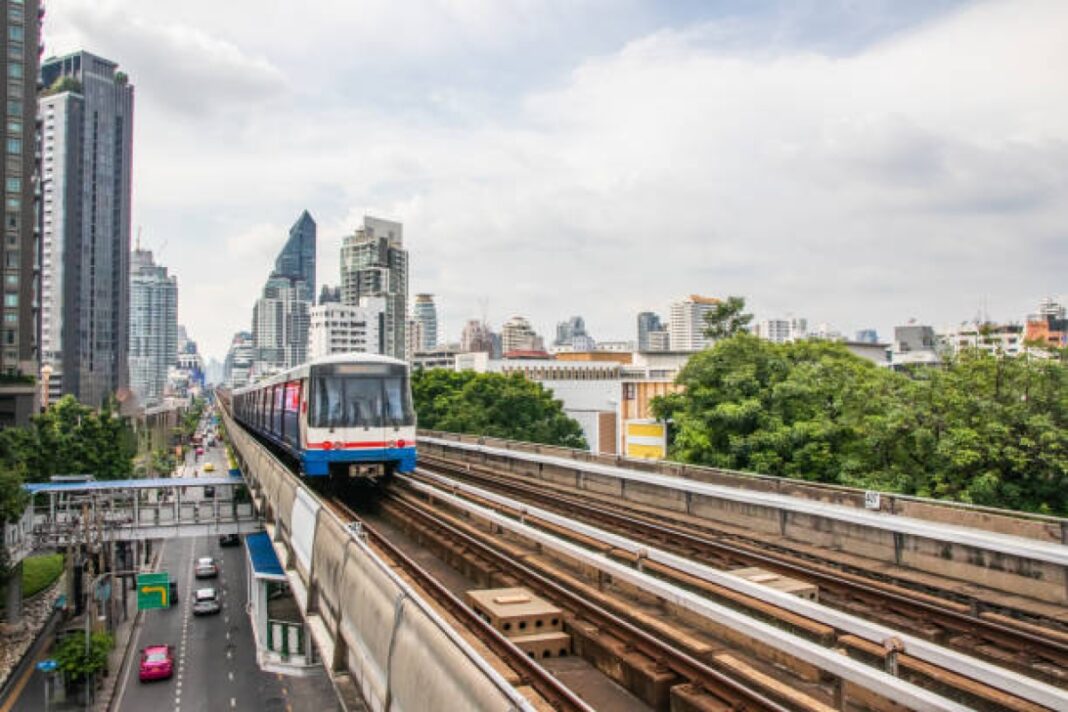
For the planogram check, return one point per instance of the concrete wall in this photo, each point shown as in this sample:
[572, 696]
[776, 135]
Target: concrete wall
[1039, 580]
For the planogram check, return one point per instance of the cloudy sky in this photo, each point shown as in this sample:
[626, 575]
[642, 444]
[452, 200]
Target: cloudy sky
[857, 162]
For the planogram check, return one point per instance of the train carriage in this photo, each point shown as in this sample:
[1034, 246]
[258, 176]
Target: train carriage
[343, 416]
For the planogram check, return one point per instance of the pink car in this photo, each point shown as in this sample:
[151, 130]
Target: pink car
[157, 663]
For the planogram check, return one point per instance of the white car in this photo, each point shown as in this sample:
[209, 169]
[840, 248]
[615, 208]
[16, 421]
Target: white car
[205, 602]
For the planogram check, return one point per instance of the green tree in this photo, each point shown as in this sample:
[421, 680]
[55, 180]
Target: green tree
[984, 428]
[492, 404]
[72, 438]
[77, 660]
[727, 318]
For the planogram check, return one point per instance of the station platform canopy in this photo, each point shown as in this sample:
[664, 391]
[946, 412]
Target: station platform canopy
[265, 563]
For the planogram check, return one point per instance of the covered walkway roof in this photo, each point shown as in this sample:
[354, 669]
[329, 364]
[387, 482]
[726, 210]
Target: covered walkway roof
[265, 563]
[38, 487]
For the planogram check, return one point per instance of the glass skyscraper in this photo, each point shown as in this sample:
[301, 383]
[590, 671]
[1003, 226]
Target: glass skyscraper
[153, 327]
[86, 145]
[280, 317]
[296, 261]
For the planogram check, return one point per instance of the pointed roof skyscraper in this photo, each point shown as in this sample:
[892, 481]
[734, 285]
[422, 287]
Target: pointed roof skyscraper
[296, 261]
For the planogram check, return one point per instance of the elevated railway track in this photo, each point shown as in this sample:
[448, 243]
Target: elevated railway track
[957, 676]
[643, 596]
[1029, 648]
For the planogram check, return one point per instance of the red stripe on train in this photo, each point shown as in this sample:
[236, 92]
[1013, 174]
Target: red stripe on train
[332, 446]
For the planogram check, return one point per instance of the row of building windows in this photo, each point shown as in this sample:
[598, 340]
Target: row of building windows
[13, 180]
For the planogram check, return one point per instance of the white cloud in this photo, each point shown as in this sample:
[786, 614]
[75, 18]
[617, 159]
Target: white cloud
[913, 177]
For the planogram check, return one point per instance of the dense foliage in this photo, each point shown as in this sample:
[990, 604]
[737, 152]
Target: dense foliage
[70, 439]
[983, 429]
[79, 661]
[492, 404]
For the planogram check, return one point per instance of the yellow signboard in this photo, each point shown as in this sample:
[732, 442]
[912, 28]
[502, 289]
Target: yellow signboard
[645, 439]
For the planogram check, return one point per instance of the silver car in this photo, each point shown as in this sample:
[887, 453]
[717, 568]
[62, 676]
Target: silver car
[206, 568]
[206, 602]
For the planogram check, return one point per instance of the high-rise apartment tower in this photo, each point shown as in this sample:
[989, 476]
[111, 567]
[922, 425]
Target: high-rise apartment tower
[153, 326]
[86, 143]
[425, 315]
[374, 263]
[687, 323]
[20, 26]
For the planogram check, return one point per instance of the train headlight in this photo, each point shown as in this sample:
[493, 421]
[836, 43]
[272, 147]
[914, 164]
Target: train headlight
[339, 445]
[401, 443]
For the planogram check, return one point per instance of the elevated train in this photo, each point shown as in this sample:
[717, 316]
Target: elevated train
[345, 416]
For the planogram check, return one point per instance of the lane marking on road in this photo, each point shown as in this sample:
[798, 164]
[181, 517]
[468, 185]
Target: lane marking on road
[231, 674]
[233, 702]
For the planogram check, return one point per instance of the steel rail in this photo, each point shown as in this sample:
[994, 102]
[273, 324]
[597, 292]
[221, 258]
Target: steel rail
[677, 536]
[559, 696]
[712, 680]
[843, 667]
[1026, 688]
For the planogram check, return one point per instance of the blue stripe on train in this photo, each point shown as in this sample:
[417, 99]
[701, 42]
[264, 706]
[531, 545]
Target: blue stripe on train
[316, 463]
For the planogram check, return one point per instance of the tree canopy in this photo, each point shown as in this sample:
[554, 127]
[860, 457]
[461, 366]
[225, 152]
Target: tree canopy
[727, 318]
[984, 428]
[68, 439]
[492, 404]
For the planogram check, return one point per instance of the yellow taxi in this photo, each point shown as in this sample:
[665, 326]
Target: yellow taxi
[209, 467]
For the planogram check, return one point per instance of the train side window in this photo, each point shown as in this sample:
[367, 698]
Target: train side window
[327, 402]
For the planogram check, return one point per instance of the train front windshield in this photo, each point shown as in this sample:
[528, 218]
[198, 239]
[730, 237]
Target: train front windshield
[352, 395]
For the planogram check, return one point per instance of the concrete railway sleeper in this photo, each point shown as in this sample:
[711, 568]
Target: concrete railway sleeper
[1024, 646]
[818, 677]
[915, 658]
[550, 688]
[694, 684]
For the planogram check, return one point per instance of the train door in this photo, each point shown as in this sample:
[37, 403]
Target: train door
[291, 414]
[303, 412]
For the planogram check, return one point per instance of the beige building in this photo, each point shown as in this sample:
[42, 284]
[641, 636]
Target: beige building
[518, 335]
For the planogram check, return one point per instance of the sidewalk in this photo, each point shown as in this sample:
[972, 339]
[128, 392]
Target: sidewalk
[32, 697]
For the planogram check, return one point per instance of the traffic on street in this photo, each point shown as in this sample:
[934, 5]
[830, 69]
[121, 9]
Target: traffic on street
[208, 632]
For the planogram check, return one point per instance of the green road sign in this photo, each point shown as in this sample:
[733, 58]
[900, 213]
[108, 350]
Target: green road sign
[153, 591]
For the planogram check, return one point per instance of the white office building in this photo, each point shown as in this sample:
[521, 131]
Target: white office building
[686, 326]
[782, 331]
[1001, 339]
[342, 328]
